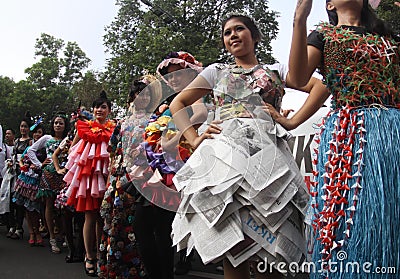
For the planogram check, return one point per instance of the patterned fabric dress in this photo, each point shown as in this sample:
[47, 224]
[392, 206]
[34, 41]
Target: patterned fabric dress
[19, 148]
[243, 196]
[356, 190]
[51, 182]
[27, 183]
[61, 200]
[88, 165]
[119, 256]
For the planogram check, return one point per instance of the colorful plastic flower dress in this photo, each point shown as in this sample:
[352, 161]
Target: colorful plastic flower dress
[154, 167]
[119, 252]
[356, 191]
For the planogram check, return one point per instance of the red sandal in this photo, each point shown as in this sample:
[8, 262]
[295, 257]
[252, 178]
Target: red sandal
[31, 240]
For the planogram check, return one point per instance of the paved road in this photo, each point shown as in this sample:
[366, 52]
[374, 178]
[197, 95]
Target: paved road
[18, 260]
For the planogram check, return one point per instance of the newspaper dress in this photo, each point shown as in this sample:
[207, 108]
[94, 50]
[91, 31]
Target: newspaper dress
[242, 193]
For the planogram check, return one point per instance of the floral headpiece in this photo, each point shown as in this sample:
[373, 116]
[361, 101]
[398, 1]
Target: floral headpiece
[145, 80]
[40, 120]
[182, 58]
[81, 113]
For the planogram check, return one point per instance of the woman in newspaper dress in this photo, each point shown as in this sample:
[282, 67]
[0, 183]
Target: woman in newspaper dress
[242, 193]
[119, 253]
[356, 191]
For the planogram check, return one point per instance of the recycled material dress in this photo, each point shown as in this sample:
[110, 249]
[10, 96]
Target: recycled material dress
[119, 255]
[88, 165]
[355, 195]
[243, 196]
[153, 169]
[51, 182]
[27, 183]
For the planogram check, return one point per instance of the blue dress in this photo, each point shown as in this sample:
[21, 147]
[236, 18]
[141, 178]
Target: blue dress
[356, 194]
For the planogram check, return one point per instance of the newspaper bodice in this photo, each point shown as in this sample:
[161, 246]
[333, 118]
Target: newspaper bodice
[360, 68]
[239, 91]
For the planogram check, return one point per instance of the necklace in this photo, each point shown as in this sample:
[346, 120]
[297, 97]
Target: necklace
[235, 69]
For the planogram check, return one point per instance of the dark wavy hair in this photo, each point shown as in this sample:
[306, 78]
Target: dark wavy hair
[248, 22]
[102, 99]
[39, 126]
[66, 123]
[369, 20]
[136, 87]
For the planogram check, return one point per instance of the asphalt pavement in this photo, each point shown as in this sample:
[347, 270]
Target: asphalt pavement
[20, 261]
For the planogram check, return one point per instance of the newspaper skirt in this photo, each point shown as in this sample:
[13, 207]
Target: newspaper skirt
[242, 196]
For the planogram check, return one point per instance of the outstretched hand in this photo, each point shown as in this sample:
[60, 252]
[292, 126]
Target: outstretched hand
[397, 4]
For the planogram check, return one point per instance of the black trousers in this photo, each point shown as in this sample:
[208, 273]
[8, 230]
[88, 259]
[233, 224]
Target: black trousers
[152, 227]
[16, 215]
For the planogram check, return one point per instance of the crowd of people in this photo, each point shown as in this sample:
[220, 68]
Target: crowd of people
[123, 193]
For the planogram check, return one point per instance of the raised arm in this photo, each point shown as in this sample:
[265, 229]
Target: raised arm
[303, 60]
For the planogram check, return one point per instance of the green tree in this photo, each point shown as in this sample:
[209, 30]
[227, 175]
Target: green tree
[50, 85]
[390, 13]
[60, 65]
[17, 99]
[73, 63]
[87, 89]
[144, 31]
[7, 88]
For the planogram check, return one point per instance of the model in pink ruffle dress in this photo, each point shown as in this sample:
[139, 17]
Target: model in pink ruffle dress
[88, 165]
